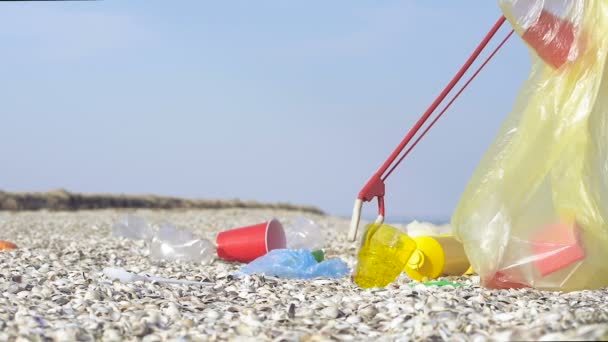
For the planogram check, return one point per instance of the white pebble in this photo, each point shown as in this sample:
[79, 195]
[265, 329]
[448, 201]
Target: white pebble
[330, 312]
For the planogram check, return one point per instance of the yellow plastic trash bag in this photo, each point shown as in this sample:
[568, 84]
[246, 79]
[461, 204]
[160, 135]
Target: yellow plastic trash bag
[535, 213]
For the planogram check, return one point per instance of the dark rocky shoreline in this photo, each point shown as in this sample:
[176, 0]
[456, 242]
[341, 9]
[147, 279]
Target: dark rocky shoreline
[61, 200]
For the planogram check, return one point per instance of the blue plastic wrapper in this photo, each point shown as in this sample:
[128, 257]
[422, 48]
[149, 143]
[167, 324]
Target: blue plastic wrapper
[294, 264]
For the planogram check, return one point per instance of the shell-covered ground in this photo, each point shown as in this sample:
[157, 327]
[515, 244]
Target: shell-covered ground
[53, 288]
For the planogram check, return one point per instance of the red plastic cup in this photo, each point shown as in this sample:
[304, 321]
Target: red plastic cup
[552, 37]
[557, 247]
[249, 243]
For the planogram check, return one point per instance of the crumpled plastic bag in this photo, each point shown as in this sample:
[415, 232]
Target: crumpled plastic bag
[294, 264]
[535, 213]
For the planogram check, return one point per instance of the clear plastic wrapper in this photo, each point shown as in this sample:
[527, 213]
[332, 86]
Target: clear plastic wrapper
[134, 228]
[295, 264]
[168, 243]
[535, 212]
[304, 234]
[171, 243]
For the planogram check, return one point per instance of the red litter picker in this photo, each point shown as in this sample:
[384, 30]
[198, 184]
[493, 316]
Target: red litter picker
[375, 187]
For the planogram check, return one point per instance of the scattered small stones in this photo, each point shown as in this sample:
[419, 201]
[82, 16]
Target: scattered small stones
[53, 287]
[368, 312]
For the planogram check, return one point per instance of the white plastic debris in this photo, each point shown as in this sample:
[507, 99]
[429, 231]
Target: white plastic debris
[125, 276]
[133, 227]
[122, 275]
[304, 234]
[168, 243]
[415, 229]
[172, 243]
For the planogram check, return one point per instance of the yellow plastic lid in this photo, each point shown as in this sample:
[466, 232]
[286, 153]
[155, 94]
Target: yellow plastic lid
[427, 261]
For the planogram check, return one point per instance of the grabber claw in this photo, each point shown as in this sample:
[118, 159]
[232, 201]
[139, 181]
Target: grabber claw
[354, 221]
[374, 188]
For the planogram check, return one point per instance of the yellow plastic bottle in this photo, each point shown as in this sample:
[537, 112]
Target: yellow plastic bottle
[384, 252]
[436, 256]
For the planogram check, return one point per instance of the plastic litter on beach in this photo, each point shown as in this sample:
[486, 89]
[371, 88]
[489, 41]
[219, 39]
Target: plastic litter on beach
[436, 256]
[416, 228]
[125, 276]
[7, 246]
[304, 233]
[383, 255]
[249, 243]
[295, 264]
[168, 243]
[438, 283]
[171, 243]
[319, 255]
[133, 227]
[387, 251]
[245, 244]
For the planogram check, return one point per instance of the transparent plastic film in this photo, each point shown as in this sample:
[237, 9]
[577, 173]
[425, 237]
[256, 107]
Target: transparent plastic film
[534, 213]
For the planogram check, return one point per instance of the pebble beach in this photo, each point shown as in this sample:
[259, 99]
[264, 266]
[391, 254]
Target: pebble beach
[53, 288]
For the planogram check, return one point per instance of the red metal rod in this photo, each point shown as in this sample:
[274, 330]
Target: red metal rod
[375, 185]
[445, 109]
[441, 96]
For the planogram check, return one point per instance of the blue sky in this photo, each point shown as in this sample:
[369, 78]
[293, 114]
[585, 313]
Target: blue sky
[296, 101]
